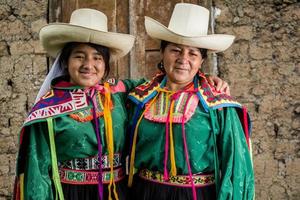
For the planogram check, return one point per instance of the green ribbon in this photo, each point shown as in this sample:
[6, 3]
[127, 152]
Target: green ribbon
[55, 174]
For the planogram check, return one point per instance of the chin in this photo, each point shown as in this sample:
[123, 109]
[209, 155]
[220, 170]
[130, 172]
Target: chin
[181, 79]
[89, 84]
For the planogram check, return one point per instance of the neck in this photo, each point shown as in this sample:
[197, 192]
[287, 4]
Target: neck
[176, 86]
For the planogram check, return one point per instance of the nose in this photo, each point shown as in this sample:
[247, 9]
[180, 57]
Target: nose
[183, 57]
[89, 62]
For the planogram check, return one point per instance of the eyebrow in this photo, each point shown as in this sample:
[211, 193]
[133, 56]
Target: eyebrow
[190, 48]
[80, 51]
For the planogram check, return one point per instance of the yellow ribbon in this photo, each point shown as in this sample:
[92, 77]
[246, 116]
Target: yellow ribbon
[132, 154]
[109, 139]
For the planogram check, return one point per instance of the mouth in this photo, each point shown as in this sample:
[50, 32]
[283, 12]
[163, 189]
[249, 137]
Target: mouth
[181, 66]
[180, 69]
[86, 73]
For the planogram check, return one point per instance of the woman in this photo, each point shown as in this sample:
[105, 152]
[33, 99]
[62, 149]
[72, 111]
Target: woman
[183, 129]
[81, 119]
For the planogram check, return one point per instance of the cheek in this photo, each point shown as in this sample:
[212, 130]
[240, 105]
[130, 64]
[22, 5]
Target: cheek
[70, 70]
[72, 66]
[168, 63]
[197, 64]
[101, 70]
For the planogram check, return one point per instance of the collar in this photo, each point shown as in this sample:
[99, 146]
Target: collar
[63, 98]
[208, 96]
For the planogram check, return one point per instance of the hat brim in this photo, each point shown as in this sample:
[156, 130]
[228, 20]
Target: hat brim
[214, 42]
[54, 37]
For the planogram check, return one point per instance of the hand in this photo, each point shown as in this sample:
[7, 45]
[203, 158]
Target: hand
[219, 84]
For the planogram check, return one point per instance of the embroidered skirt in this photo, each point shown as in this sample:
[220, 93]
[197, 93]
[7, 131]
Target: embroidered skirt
[90, 192]
[79, 178]
[146, 188]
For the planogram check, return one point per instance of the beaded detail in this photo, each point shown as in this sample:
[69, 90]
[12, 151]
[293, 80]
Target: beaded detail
[91, 163]
[200, 180]
[82, 177]
[158, 111]
[86, 115]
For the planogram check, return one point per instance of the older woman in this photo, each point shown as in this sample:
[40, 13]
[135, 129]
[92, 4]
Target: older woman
[187, 139]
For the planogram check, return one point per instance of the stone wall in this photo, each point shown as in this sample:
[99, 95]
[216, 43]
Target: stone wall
[262, 68]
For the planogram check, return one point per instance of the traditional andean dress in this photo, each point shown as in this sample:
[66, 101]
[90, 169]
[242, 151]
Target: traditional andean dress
[61, 139]
[193, 134]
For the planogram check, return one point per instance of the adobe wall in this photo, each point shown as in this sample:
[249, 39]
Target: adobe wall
[23, 66]
[262, 68]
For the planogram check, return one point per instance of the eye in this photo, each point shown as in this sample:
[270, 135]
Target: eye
[79, 56]
[176, 50]
[98, 58]
[194, 54]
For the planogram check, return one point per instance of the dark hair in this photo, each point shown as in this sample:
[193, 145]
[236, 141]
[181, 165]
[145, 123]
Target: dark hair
[69, 47]
[164, 44]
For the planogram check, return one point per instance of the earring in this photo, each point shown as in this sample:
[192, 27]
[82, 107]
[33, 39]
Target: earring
[160, 66]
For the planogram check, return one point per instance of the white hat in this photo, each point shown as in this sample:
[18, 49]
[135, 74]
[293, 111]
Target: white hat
[86, 26]
[188, 26]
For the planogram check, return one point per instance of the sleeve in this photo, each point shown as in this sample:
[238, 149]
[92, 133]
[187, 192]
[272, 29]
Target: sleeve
[132, 83]
[34, 163]
[237, 176]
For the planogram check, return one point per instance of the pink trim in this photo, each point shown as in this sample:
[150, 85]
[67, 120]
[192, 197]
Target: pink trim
[93, 175]
[166, 173]
[160, 180]
[186, 151]
[120, 87]
[176, 119]
[245, 119]
[177, 185]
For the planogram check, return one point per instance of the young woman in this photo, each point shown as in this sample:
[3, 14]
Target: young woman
[72, 142]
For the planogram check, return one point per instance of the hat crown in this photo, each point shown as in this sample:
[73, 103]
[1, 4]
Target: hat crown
[189, 20]
[89, 18]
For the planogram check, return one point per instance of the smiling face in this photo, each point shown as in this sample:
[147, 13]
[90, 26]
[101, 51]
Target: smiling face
[86, 66]
[181, 64]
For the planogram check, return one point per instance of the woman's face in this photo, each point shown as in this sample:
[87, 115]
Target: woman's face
[86, 66]
[181, 64]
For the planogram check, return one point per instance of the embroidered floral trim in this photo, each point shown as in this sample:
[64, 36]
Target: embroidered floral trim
[208, 96]
[57, 102]
[200, 180]
[158, 111]
[146, 89]
[86, 115]
[81, 177]
[91, 163]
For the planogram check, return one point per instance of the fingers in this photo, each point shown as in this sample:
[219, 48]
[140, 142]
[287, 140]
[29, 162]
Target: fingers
[219, 84]
[211, 80]
[227, 91]
[223, 87]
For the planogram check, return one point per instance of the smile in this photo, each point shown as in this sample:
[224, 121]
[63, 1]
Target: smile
[181, 69]
[87, 74]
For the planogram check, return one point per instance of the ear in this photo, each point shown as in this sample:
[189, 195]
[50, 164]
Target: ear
[161, 55]
[200, 66]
